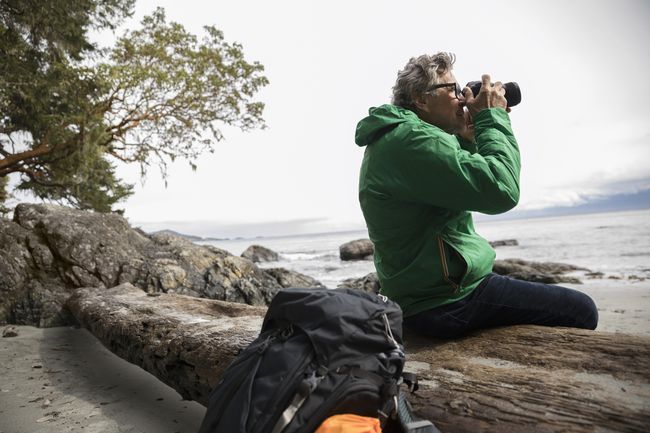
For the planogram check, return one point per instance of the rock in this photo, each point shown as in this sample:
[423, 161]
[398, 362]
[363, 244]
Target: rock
[30, 285]
[361, 249]
[515, 379]
[10, 331]
[287, 278]
[48, 251]
[258, 253]
[368, 283]
[539, 272]
[180, 235]
[546, 272]
[504, 243]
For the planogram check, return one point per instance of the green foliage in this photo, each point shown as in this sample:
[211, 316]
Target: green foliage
[4, 195]
[65, 108]
[177, 89]
[84, 179]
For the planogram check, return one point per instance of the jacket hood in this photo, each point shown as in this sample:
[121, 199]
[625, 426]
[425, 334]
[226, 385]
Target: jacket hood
[380, 121]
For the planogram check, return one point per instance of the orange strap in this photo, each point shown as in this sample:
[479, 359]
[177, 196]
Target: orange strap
[348, 423]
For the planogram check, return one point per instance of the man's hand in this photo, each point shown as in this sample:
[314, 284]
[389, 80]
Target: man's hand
[490, 95]
[468, 132]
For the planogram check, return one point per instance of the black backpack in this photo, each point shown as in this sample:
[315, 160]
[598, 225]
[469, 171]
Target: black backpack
[320, 352]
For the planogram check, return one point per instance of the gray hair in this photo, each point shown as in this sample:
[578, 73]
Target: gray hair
[418, 75]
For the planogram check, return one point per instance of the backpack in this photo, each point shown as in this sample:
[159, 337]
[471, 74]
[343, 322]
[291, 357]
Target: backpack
[320, 352]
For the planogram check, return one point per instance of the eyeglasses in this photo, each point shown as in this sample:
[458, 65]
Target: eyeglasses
[457, 89]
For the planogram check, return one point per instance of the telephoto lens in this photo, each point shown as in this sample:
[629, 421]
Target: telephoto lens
[513, 94]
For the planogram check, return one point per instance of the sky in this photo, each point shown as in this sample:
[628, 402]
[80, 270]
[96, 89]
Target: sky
[582, 126]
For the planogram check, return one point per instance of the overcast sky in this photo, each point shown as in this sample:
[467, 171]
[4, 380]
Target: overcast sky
[582, 126]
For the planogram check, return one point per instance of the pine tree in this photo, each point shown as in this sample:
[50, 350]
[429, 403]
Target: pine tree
[68, 110]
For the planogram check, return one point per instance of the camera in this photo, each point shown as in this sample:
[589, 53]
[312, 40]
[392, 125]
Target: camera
[513, 94]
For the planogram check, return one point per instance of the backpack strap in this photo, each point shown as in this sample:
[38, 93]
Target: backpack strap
[404, 415]
[411, 380]
[306, 387]
[364, 374]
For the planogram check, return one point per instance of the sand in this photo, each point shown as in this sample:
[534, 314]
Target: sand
[63, 380]
[623, 305]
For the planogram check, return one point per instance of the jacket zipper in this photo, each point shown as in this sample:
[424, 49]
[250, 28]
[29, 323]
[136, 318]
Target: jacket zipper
[445, 268]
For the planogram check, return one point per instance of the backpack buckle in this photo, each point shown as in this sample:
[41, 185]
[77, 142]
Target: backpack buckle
[411, 381]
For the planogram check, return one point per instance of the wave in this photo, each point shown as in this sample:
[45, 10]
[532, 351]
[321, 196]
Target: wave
[308, 256]
[636, 254]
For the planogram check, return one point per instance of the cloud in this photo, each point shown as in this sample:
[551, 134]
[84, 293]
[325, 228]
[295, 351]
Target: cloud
[586, 193]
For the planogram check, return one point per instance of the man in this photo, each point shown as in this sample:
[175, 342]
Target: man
[431, 157]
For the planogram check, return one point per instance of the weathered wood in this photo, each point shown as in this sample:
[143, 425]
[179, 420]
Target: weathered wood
[535, 379]
[518, 379]
[184, 341]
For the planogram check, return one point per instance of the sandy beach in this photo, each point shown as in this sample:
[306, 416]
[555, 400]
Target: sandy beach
[623, 305]
[63, 380]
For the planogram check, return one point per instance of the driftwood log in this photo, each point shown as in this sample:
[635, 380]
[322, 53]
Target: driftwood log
[518, 379]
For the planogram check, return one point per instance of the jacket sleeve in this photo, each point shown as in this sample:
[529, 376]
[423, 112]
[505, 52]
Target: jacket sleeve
[432, 168]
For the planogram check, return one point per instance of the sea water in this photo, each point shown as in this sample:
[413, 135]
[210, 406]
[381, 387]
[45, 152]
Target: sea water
[616, 244]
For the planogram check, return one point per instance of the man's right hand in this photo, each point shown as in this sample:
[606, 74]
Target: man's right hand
[490, 96]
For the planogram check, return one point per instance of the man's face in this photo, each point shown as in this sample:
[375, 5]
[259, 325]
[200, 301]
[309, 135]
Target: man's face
[442, 108]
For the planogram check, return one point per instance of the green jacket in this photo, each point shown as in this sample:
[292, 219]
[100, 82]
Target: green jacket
[417, 187]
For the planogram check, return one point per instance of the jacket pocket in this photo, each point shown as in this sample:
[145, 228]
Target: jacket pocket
[477, 254]
[453, 273]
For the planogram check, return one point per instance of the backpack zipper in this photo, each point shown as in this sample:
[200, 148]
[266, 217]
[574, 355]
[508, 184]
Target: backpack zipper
[284, 387]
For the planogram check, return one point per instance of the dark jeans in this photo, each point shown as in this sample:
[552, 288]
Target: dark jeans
[503, 301]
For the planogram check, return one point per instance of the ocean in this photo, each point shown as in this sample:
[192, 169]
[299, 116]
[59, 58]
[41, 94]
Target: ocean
[616, 244]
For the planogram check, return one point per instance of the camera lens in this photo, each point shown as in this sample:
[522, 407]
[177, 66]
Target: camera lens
[513, 93]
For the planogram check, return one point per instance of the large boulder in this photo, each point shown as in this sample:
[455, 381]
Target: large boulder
[360, 249]
[368, 283]
[47, 251]
[288, 278]
[31, 289]
[542, 272]
[258, 253]
[539, 272]
[504, 243]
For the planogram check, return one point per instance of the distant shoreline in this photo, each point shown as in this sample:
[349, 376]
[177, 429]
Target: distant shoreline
[479, 218]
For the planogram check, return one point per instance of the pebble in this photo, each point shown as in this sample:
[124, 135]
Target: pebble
[10, 331]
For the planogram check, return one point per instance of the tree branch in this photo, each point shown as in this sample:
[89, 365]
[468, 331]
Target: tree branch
[34, 176]
[13, 159]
